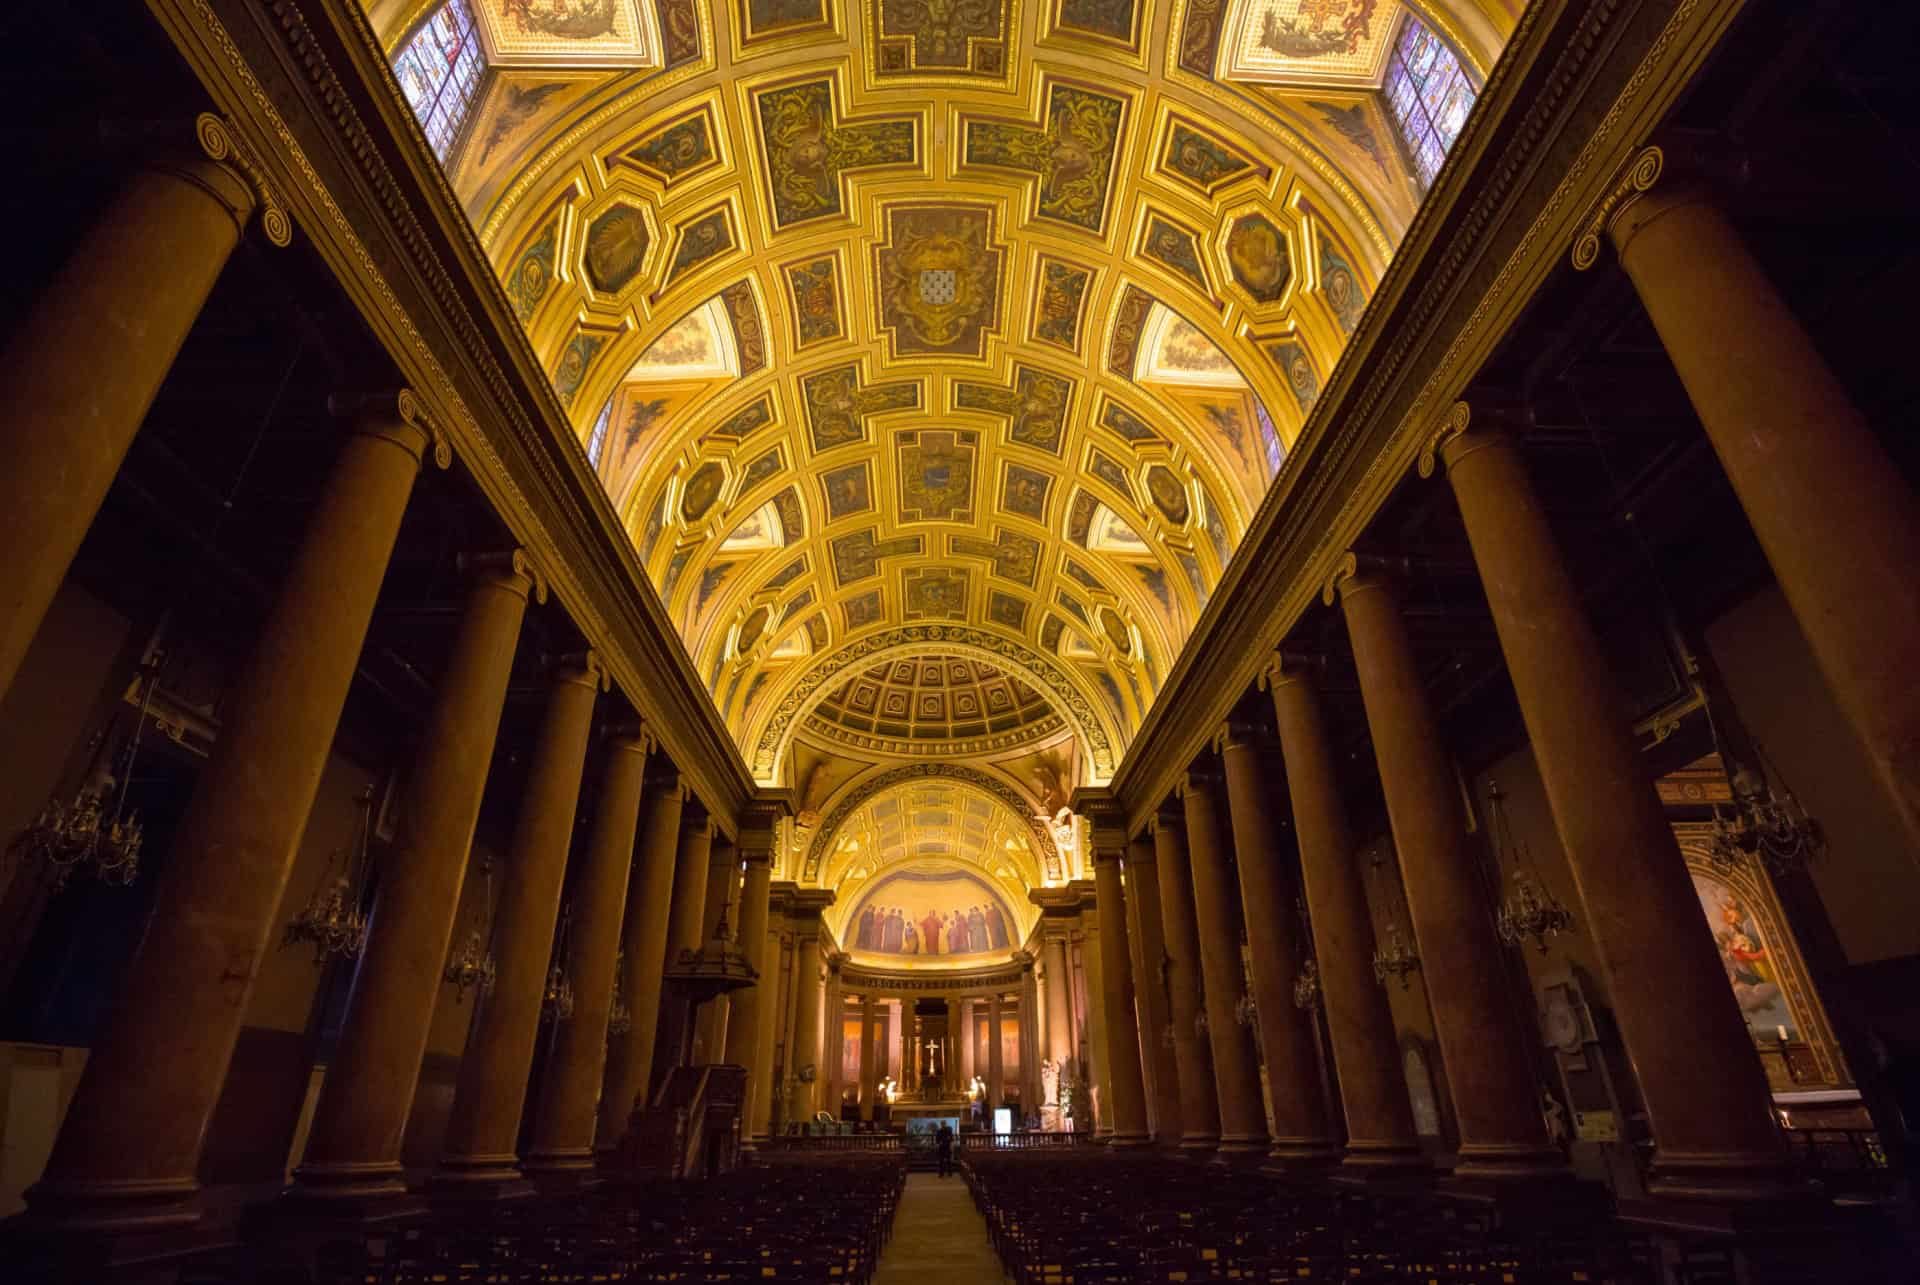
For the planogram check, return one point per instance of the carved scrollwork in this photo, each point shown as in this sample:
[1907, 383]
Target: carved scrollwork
[1639, 176]
[219, 141]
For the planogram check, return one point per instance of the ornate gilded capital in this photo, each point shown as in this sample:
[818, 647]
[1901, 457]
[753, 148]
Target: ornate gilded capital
[224, 146]
[583, 667]
[513, 569]
[1458, 416]
[631, 737]
[1636, 178]
[1239, 734]
[1345, 570]
[1290, 665]
[391, 413]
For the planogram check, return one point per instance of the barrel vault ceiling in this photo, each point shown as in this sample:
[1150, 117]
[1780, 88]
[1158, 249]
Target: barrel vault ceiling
[964, 333]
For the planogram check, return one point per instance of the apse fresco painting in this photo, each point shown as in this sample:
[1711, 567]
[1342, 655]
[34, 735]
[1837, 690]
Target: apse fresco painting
[932, 914]
[1749, 959]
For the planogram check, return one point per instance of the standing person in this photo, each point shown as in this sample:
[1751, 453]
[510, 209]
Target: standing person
[890, 934]
[996, 927]
[943, 1146]
[958, 940]
[930, 933]
[977, 929]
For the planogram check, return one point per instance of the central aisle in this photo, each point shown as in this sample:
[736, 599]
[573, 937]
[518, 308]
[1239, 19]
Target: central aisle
[939, 1238]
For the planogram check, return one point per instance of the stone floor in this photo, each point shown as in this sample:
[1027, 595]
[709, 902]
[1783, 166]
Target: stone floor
[939, 1238]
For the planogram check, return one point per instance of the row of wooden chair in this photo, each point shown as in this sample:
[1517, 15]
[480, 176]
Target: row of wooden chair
[1119, 1220]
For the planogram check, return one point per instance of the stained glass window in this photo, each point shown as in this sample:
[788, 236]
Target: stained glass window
[439, 70]
[597, 441]
[1429, 96]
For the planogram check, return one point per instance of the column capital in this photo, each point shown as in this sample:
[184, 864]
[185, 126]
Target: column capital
[632, 737]
[1200, 779]
[1356, 572]
[693, 814]
[389, 413]
[1469, 426]
[224, 146]
[1169, 816]
[1290, 665]
[581, 667]
[1241, 734]
[1679, 170]
[511, 569]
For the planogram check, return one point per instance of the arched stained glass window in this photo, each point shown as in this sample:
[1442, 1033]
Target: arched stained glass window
[597, 441]
[439, 69]
[1429, 96]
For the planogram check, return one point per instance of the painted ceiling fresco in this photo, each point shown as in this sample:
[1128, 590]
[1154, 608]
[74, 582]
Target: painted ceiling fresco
[936, 357]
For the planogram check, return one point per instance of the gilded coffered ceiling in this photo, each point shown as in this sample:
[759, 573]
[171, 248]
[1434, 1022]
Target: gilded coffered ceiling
[939, 349]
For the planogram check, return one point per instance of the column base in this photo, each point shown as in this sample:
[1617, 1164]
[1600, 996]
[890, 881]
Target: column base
[1728, 1177]
[1199, 1141]
[1241, 1151]
[1301, 1155]
[370, 1191]
[1128, 1141]
[1504, 1164]
[1550, 1200]
[1378, 1164]
[478, 1179]
[136, 1206]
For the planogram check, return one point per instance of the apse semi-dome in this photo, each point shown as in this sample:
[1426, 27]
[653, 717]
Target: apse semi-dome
[934, 704]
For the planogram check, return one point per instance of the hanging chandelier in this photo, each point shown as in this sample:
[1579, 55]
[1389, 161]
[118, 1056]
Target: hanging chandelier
[331, 922]
[1529, 911]
[556, 1001]
[1395, 961]
[1306, 985]
[472, 966]
[1772, 827]
[619, 1014]
[96, 830]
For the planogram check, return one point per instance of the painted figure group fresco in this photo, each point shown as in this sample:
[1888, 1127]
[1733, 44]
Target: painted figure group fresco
[891, 930]
[1748, 959]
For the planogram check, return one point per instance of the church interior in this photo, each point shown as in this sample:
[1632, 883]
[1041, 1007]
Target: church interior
[1283, 632]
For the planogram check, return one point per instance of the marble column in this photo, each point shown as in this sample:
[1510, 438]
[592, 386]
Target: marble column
[805, 1053]
[869, 1055]
[1192, 1050]
[771, 1002]
[969, 1034]
[1093, 1035]
[1290, 1034]
[1060, 1049]
[1791, 441]
[832, 1039]
[1031, 1093]
[1706, 1096]
[1150, 988]
[643, 954]
[1127, 1107]
[353, 1148]
[996, 1056]
[162, 1056]
[480, 1156]
[71, 415]
[720, 914]
[1236, 1066]
[745, 1019]
[1483, 1037]
[560, 1152]
[1366, 1055]
[686, 931]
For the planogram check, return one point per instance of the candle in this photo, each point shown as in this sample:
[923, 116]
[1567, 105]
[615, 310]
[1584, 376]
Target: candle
[1783, 1033]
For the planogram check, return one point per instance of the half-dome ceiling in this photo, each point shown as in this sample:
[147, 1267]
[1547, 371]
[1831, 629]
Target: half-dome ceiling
[932, 704]
[972, 331]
